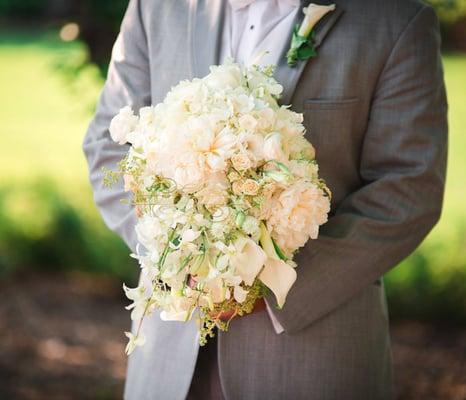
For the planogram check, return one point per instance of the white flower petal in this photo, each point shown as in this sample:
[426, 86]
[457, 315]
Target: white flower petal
[189, 235]
[278, 276]
[240, 294]
[248, 260]
[313, 13]
[173, 315]
[134, 341]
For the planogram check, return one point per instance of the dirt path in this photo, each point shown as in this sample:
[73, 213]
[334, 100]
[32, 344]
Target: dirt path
[61, 338]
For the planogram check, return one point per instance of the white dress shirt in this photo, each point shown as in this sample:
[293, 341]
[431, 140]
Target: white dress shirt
[251, 28]
[256, 26]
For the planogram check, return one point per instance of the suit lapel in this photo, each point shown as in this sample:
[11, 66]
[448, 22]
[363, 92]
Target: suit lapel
[206, 21]
[288, 76]
[205, 30]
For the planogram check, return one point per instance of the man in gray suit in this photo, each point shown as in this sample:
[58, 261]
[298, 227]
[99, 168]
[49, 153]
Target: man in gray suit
[375, 109]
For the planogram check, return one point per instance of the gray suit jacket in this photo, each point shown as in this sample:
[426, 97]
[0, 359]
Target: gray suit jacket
[375, 109]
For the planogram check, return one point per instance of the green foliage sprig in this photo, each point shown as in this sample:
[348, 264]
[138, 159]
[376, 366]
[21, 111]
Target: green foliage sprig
[301, 47]
[211, 318]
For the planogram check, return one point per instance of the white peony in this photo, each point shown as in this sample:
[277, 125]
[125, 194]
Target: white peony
[253, 146]
[224, 77]
[304, 169]
[122, 125]
[274, 148]
[298, 211]
[148, 229]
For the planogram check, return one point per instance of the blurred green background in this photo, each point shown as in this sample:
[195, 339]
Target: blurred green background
[53, 57]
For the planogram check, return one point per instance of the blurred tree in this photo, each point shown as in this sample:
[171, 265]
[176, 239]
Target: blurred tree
[452, 15]
[21, 8]
[449, 11]
[99, 20]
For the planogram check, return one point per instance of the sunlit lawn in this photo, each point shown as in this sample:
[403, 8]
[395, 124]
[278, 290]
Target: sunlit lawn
[43, 117]
[445, 247]
[47, 215]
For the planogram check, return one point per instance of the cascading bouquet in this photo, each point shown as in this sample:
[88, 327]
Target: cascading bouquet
[226, 189]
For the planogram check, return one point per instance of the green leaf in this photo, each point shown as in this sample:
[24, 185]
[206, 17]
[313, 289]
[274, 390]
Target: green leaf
[297, 41]
[176, 241]
[306, 52]
[279, 251]
[292, 57]
[301, 48]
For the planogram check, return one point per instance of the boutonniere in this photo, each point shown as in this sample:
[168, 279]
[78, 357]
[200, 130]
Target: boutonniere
[302, 41]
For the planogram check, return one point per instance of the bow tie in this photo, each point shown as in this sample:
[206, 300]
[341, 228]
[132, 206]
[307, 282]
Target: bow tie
[238, 4]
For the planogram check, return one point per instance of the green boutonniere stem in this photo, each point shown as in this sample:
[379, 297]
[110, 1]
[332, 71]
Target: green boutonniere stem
[302, 48]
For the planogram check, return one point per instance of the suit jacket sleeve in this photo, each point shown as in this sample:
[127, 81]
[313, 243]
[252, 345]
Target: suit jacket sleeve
[128, 83]
[403, 169]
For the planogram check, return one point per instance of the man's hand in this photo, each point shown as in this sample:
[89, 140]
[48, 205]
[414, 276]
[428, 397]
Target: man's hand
[225, 316]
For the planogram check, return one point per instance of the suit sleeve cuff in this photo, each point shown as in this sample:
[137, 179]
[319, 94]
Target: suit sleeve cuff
[276, 324]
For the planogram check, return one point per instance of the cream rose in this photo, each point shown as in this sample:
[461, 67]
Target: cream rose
[213, 196]
[250, 187]
[237, 187]
[241, 161]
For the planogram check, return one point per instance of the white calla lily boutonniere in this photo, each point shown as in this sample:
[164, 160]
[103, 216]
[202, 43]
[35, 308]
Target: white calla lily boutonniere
[302, 43]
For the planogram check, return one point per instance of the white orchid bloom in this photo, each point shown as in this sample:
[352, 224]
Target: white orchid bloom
[139, 298]
[133, 342]
[189, 235]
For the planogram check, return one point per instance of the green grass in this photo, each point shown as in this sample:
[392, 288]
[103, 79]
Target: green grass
[433, 279]
[47, 215]
[43, 117]
[44, 193]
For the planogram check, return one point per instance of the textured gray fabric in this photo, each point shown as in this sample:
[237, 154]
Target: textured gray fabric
[345, 355]
[206, 384]
[375, 109]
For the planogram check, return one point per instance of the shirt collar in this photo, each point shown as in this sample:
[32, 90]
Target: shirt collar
[239, 4]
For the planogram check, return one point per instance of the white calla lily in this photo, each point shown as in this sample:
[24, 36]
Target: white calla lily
[313, 14]
[278, 276]
[248, 259]
[266, 242]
